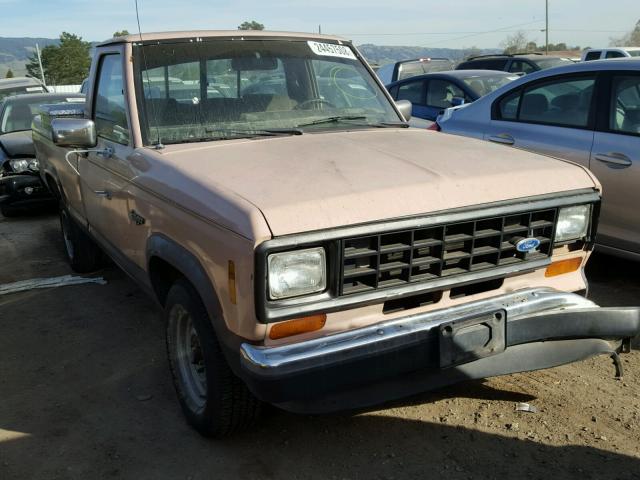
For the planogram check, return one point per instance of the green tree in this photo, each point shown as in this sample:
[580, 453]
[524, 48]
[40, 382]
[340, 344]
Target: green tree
[9, 74]
[631, 39]
[121, 33]
[252, 25]
[63, 64]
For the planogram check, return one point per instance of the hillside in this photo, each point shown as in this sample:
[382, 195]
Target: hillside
[14, 52]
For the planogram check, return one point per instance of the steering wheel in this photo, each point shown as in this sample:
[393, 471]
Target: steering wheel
[312, 101]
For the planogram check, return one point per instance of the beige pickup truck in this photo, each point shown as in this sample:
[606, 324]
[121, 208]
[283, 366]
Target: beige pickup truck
[307, 248]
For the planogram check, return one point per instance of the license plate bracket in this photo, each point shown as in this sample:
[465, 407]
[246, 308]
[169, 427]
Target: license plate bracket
[472, 338]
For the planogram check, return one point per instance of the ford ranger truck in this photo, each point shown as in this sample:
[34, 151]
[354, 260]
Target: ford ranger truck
[307, 248]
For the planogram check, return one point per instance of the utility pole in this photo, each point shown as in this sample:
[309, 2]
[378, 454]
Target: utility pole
[320, 29]
[40, 64]
[546, 29]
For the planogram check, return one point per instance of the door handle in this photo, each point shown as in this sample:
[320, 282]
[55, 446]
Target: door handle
[503, 138]
[614, 159]
[103, 193]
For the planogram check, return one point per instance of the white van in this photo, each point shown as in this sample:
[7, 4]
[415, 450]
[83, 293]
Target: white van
[612, 52]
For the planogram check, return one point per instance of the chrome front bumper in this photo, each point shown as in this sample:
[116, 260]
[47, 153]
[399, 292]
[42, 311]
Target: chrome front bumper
[537, 326]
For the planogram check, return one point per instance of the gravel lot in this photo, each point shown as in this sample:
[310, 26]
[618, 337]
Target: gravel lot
[85, 393]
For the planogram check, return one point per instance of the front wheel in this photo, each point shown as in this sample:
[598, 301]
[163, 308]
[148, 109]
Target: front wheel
[81, 251]
[213, 399]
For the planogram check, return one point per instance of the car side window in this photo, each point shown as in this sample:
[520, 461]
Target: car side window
[614, 54]
[412, 91]
[441, 92]
[562, 102]
[595, 55]
[624, 114]
[110, 113]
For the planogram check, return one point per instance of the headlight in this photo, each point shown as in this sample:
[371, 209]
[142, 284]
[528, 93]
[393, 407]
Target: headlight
[297, 273]
[573, 223]
[24, 164]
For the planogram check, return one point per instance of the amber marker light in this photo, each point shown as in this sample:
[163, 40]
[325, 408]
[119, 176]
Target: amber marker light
[563, 266]
[297, 326]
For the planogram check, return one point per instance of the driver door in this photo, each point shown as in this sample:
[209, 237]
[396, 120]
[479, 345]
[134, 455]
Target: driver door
[106, 174]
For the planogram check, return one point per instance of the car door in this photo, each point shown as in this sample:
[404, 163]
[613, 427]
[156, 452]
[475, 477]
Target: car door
[615, 160]
[106, 175]
[414, 91]
[551, 116]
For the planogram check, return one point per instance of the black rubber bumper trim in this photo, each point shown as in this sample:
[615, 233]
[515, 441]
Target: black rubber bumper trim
[421, 353]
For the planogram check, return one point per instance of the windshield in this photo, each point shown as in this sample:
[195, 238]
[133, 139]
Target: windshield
[6, 92]
[420, 67]
[18, 115]
[484, 84]
[545, 63]
[218, 89]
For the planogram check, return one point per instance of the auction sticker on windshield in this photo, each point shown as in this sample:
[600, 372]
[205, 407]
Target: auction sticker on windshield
[331, 50]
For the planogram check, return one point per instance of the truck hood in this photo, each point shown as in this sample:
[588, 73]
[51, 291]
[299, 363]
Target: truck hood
[18, 144]
[324, 180]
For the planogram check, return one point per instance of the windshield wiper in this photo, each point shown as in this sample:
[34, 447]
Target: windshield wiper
[267, 132]
[334, 119]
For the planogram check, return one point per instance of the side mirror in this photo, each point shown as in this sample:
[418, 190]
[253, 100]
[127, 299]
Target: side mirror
[457, 101]
[405, 108]
[73, 132]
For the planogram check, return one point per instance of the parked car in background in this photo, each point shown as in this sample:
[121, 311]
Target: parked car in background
[20, 183]
[20, 85]
[589, 113]
[610, 52]
[430, 94]
[515, 63]
[393, 72]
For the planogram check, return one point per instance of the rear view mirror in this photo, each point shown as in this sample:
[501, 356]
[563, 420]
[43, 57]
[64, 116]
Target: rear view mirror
[254, 63]
[73, 132]
[457, 101]
[405, 108]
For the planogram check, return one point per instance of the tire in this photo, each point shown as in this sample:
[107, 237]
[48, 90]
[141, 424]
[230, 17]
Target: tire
[215, 402]
[81, 251]
[8, 211]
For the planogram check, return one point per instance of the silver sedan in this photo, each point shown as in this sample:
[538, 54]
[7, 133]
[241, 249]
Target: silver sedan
[588, 113]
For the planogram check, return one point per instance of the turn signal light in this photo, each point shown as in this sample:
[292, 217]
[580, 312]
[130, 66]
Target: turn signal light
[563, 266]
[297, 326]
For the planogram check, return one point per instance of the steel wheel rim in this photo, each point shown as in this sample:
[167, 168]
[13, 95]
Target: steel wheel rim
[189, 359]
[68, 244]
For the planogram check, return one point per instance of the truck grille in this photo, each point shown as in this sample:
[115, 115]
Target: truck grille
[394, 259]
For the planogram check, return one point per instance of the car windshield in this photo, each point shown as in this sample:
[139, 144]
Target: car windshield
[484, 84]
[545, 63]
[17, 115]
[19, 90]
[219, 89]
[420, 67]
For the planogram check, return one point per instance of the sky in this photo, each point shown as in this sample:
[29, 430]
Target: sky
[428, 23]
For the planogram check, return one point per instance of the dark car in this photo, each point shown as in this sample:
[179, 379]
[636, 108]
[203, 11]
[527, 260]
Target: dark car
[20, 184]
[514, 63]
[430, 94]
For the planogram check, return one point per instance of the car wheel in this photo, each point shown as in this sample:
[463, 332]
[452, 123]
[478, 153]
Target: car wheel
[8, 211]
[81, 251]
[213, 399]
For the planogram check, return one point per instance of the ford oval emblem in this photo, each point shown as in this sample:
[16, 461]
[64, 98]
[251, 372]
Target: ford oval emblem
[527, 245]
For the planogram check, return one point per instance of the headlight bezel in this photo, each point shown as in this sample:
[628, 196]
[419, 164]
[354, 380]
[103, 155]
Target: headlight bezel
[272, 263]
[22, 165]
[582, 232]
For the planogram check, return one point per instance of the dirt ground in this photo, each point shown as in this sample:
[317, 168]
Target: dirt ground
[85, 393]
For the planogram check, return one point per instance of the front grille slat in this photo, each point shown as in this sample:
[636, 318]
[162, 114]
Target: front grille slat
[404, 257]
